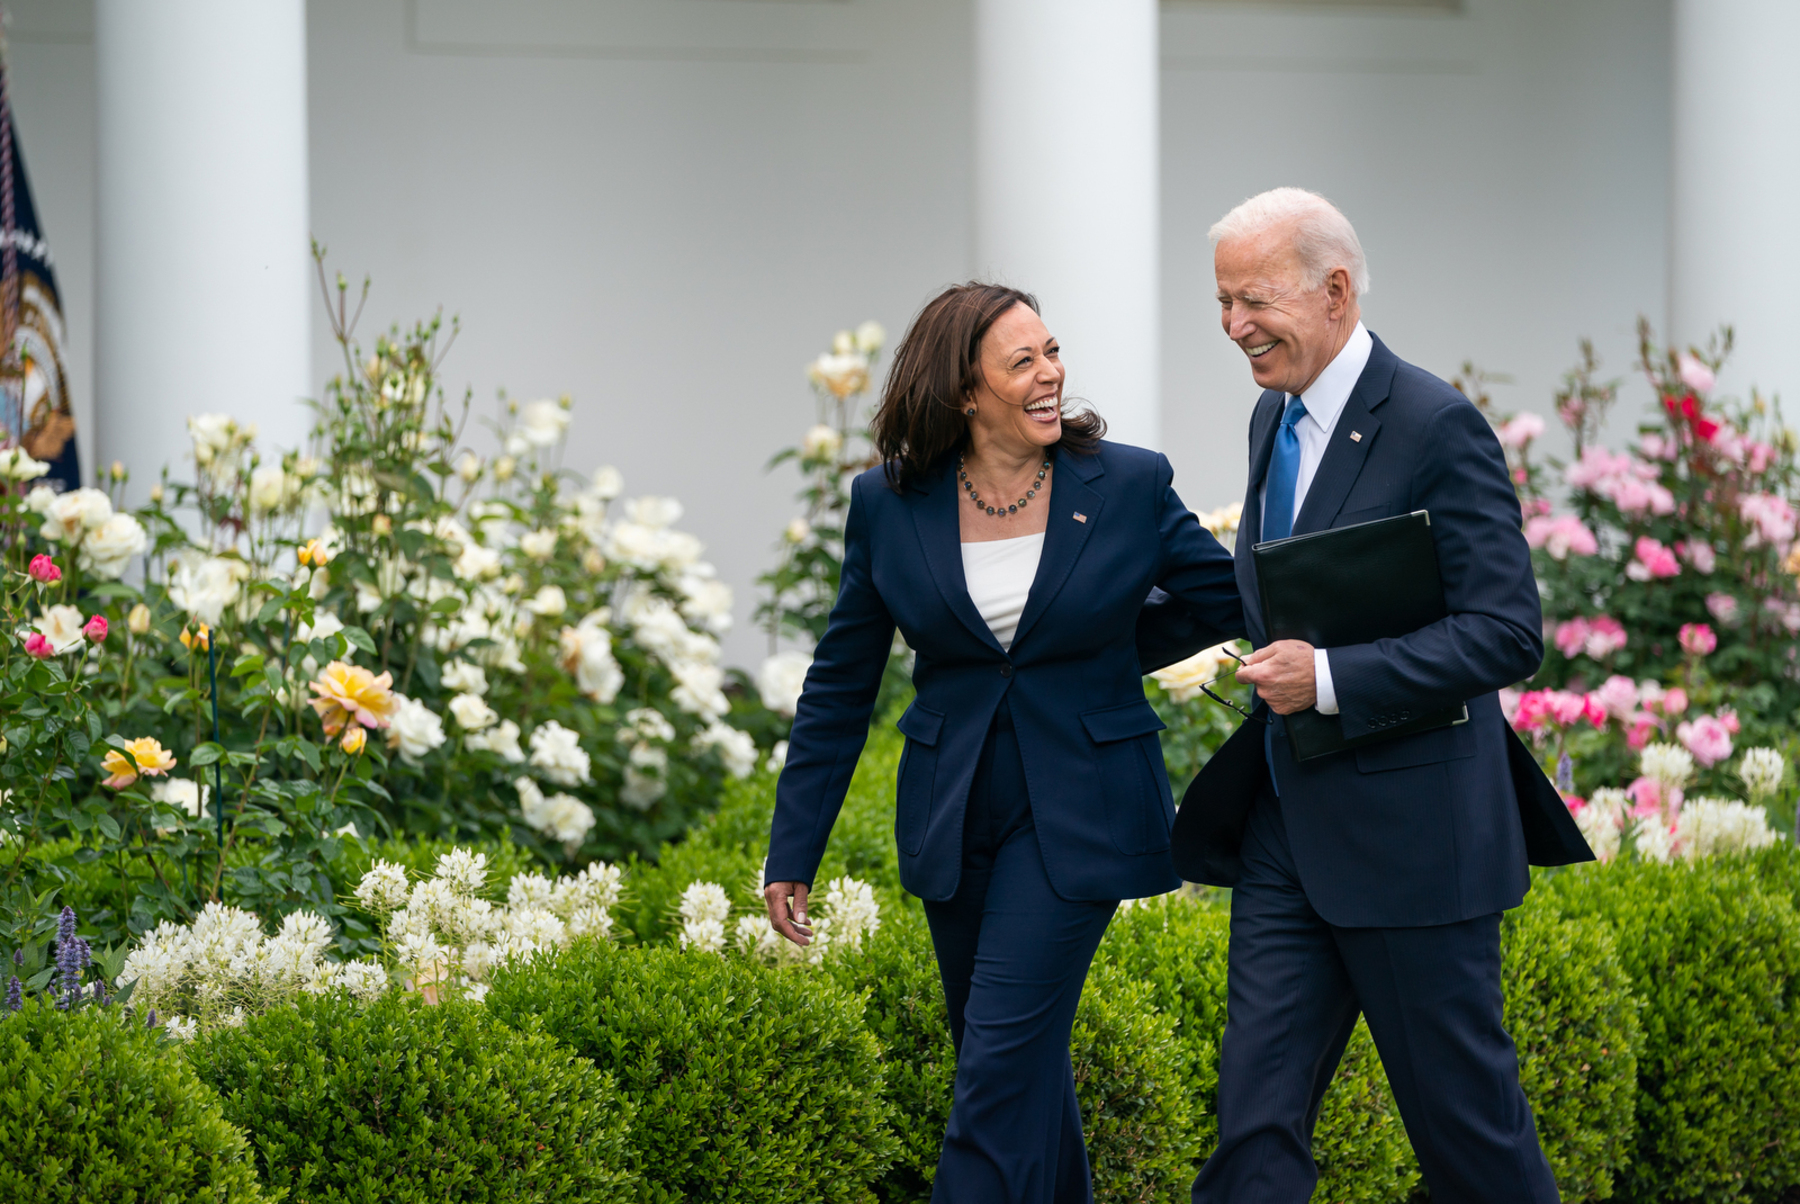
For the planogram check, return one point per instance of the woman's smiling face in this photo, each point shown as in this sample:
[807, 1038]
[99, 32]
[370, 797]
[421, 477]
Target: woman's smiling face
[1019, 399]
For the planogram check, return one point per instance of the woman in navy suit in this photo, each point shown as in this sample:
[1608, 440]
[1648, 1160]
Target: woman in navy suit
[1013, 549]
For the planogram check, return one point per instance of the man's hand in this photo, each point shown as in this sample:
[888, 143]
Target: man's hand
[1282, 673]
[789, 921]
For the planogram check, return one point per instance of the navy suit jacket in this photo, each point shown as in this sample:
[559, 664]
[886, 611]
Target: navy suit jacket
[1093, 763]
[1423, 829]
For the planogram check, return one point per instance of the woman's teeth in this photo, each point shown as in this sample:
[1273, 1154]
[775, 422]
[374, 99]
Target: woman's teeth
[1256, 351]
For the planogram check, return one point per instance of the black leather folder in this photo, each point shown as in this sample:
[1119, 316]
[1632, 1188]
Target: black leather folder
[1353, 585]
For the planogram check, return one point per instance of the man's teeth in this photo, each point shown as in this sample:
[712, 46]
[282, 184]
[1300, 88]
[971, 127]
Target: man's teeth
[1256, 351]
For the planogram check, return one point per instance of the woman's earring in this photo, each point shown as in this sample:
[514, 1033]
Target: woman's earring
[970, 411]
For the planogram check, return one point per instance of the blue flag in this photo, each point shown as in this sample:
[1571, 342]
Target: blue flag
[33, 380]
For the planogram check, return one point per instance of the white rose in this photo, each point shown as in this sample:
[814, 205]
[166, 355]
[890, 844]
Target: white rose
[549, 602]
[822, 442]
[1183, 679]
[472, 712]
[558, 753]
[697, 690]
[841, 373]
[465, 678]
[707, 602]
[870, 337]
[39, 499]
[204, 588]
[189, 796]
[414, 730]
[781, 680]
[476, 563]
[212, 434]
[70, 515]
[798, 531]
[268, 485]
[108, 549]
[543, 422]
[61, 625]
[539, 545]
[777, 757]
[735, 748]
[654, 512]
[607, 483]
[502, 741]
[17, 465]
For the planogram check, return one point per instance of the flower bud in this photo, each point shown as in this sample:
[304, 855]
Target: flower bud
[503, 468]
[118, 470]
[38, 645]
[382, 524]
[43, 570]
[198, 640]
[138, 621]
[354, 739]
[468, 466]
[95, 629]
[156, 494]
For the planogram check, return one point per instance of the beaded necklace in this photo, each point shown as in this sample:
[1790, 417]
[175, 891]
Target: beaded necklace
[1003, 511]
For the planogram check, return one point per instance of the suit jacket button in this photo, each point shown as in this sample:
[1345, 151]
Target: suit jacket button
[1005, 670]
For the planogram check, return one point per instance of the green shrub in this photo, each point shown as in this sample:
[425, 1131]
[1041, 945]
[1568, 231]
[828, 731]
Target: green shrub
[751, 1083]
[1572, 1012]
[1130, 1076]
[399, 1101]
[1130, 1066]
[94, 1106]
[898, 975]
[1715, 956]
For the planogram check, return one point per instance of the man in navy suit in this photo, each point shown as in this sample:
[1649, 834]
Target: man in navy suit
[1369, 881]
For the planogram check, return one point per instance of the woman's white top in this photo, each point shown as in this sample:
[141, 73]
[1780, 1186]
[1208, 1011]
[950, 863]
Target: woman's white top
[999, 573]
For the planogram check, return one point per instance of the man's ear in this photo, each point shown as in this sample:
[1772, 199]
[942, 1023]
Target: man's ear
[1337, 289]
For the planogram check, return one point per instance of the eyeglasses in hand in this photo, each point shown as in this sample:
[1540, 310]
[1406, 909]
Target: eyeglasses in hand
[1226, 702]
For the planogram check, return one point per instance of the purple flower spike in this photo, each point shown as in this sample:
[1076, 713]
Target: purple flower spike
[70, 961]
[65, 926]
[150, 1020]
[15, 994]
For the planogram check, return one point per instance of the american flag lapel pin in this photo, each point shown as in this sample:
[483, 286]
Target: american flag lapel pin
[1080, 517]
[1356, 436]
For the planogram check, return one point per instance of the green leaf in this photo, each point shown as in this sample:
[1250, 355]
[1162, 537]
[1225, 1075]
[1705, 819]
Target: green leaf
[246, 665]
[108, 825]
[205, 754]
[359, 638]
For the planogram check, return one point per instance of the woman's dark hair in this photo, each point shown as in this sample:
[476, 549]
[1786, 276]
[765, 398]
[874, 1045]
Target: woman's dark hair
[937, 366]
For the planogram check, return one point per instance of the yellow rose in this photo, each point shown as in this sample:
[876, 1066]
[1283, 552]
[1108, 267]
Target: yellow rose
[350, 692]
[145, 755]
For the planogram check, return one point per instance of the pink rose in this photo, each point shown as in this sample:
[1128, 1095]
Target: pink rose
[1633, 495]
[1772, 517]
[1519, 431]
[1785, 613]
[95, 629]
[1560, 536]
[1723, 607]
[1697, 553]
[1605, 636]
[1694, 374]
[1707, 738]
[1697, 639]
[1575, 803]
[43, 570]
[38, 645]
[1760, 455]
[1729, 718]
[1532, 711]
[1566, 706]
[1593, 710]
[1675, 701]
[1571, 634]
[1653, 446]
[1618, 695]
[1646, 797]
[1651, 560]
[1643, 726]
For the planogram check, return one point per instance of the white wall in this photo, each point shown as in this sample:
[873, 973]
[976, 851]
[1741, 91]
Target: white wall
[665, 207]
[1506, 169]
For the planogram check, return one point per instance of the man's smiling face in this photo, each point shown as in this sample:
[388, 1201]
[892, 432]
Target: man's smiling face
[1289, 331]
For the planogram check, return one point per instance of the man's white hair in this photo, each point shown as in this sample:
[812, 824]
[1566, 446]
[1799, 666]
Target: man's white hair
[1323, 238]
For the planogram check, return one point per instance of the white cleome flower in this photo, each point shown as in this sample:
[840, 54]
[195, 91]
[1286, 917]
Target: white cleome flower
[181, 1028]
[781, 680]
[557, 752]
[1761, 771]
[414, 729]
[364, 980]
[1601, 829]
[503, 740]
[472, 712]
[384, 887]
[851, 907]
[1668, 765]
[542, 423]
[464, 872]
[108, 548]
[464, 678]
[1711, 826]
[1653, 840]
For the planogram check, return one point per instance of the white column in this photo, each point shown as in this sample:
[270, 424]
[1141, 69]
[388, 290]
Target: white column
[1066, 171]
[203, 274]
[1735, 219]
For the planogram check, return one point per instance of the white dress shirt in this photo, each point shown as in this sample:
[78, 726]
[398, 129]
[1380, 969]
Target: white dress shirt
[1324, 406]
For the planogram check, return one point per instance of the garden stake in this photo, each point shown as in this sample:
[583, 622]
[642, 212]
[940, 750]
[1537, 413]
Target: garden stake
[212, 675]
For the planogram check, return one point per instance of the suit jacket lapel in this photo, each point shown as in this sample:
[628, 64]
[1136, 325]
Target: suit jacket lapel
[1064, 534]
[940, 536]
[1344, 455]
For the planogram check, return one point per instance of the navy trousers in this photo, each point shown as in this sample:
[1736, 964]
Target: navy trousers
[1013, 956]
[1432, 997]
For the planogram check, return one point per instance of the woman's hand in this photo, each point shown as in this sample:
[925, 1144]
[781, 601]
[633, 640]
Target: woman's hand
[787, 911]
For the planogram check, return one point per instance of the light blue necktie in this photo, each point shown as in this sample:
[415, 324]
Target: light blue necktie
[1278, 513]
[1284, 474]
